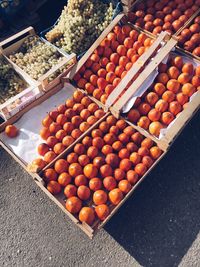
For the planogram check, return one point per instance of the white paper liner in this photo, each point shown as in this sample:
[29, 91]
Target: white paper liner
[26, 143]
[149, 81]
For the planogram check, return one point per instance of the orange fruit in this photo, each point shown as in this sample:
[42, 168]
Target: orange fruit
[82, 82]
[96, 133]
[99, 113]
[154, 115]
[135, 158]
[196, 81]
[95, 184]
[79, 149]
[69, 103]
[121, 124]
[92, 120]
[140, 169]
[42, 149]
[70, 113]
[116, 81]
[173, 85]
[75, 169]
[188, 68]
[168, 96]
[106, 170]
[59, 148]
[106, 149]
[39, 163]
[143, 151]
[144, 108]
[124, 153]
[51, 141]
[112, 160]
[162, 78]
[98, 142]
[44, 132]
[133, 115]
[124, 186]
[85, 114]
[132, 177]
[115, 196]
[109, 183]
[86, 101]
[46, 122]
[111, 120]
[188, 89]
[109, 88]
[173, 72]
[83, 160]
[143, 122]
[129, 130]
[102, 211]
[54, 127]
[80, 180]
[121, 50]
[155, 127]
[125, 164]
[92, 152]
[167, 118]
[110, 67]
[54, 187]
[159, 88]
[61, 165]
[83, 192]
[70, 190]
[128, 66]
[98, 162]
[104, 126]
[90, 171]
[64, 179]
[147, 161]
[175, 107]
[114, 58]
[72, 158]
[151, 98]
[76, 133]
[87, 141]
[117, 145]
[131, 147]
[50, 175]
[100, 197]
[93, 81]
[54, 114]
[60, 135]
[124, 138]
[68, 140]
[119, 174]
[49, 156]
[87, 215]
[123, 61]
[184, 78]
[161, 105]
[147, 142]
[197, 71]
[73, 204]
[155, 152]
[181, 98]
[137, 138]
[77, 96]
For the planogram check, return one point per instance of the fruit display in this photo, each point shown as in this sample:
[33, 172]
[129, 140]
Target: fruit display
[80, 24]
[101, 169]
[156, 16]
[169, 94]
[63, 125]
[10, 82]
[189, 38]
[111, 61]
[35, 57]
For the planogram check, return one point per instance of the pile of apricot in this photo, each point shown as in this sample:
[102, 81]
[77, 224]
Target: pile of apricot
[101, 169]
[156, 16]
[167, 96]
[189, 38]
[111, 61]
[62, 126]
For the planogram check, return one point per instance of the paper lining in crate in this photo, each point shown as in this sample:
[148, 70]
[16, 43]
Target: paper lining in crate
[178, 105]
[102, 70]
[156, 16]
[91, 227]
[16, 90]
[35, 59]
[189, 37]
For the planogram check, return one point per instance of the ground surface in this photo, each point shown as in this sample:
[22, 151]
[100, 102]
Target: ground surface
[158, 226]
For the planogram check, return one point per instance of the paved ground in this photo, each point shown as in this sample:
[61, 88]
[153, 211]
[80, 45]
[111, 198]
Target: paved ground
[158, 226]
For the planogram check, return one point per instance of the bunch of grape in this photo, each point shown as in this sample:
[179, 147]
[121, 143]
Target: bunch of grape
[35, 57]
[10, 82]
[80, 24]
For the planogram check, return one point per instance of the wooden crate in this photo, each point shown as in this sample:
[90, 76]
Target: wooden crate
[59, 200]
[13, 43]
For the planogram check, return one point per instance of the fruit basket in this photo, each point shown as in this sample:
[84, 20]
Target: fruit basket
[15, 90]
[74, 32]
[156, 16]
[167, 102]
[35, 59]
[189, 37]
[104, 70]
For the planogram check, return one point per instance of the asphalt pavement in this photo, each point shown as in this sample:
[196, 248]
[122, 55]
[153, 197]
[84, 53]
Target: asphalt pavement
[159, 225]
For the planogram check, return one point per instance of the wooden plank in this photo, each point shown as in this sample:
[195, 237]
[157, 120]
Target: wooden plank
[135, 69]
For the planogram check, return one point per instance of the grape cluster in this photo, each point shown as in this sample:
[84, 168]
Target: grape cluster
[80, 24]
[10, 82]
[35, 57]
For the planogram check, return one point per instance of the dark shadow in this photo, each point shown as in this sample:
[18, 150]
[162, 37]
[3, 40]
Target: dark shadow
[158, 224]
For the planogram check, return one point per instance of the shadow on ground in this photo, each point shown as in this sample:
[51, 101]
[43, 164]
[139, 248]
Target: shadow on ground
[158, 224]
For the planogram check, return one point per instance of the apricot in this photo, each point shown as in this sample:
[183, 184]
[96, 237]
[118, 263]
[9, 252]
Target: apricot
[44, 132]
[112, 160]
[98, 162]
[155, 152]
[95, 184]
[64, 179]
[106, 170]
[68, 140]
[124, 186]
[159, 88]
[132, 177]
[102, 211]
[137, 138]
[161, 105]
[49, 156]
[147, 161]
[92, 152]
[182, 99]
[90, 171]
[61, 166]
[87, 215]
[83, 192]
[50, 175]
[43, 149]
[46, 122]
[115, 196]
[100, 197]
[54, 127]
[80, 180]
[133, 115]
[140, 169]
[188, 89]
[155, 127]
[117, 145]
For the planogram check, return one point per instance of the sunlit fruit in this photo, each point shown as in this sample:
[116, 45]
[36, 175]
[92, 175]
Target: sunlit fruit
[87, 215]
[73, 204]
[115, 196]
[100, 197]
[54, 187]
[124, 186]
[90, 171]
[102, 211]
[64, 179]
